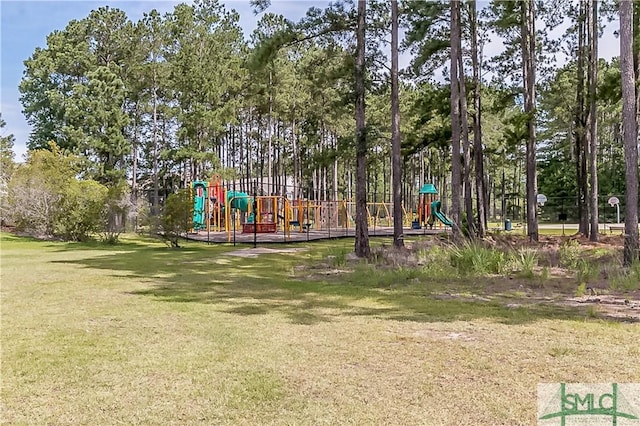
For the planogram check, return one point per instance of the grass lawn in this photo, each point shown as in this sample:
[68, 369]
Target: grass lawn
[142, 334]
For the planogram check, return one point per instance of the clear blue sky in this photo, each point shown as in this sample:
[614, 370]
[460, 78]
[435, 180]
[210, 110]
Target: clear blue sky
[25, 25]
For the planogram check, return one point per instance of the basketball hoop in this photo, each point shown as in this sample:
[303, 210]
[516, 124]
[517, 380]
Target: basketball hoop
[613, 201]
[541, 199]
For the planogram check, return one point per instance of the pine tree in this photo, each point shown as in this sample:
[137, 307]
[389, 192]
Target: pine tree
[398, 238]
[362, 248]
[456, 183]
[630, 132]
[528, 41]
[592, 117]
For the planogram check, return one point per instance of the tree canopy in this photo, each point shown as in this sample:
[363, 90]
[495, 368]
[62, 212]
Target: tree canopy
[180, 96]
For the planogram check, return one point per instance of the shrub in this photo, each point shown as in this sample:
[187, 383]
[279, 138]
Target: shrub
[46, 198]
[627, 279]
[37, 188]
[569, 253]
[525, 261]
[176, 217]
[338, 256]
[116, 208]
[83, 205]
[544, 275]
[471, 258]
[585, 271]
[436, 262]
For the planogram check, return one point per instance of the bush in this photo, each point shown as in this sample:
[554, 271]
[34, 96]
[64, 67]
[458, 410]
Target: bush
[436, 262]
[338, 256]
[83, 206]
[570, 254]
[176, 217]
[47, 199]
[628, 279]
[471, 258]
[525, 261]
[585, 271]
[115, 212]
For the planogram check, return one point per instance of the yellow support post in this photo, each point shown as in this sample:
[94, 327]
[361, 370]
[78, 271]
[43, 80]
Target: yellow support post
[300, 215]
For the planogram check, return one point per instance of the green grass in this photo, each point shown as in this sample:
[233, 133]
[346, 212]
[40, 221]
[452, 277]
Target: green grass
[472, 258]
[627, 279]
[525, 261]
[141, 334]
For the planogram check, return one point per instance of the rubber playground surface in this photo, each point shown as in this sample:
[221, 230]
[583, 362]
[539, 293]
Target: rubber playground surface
[295, 235]
[306, 235]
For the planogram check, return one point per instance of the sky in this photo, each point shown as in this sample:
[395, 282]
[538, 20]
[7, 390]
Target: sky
[25, 25]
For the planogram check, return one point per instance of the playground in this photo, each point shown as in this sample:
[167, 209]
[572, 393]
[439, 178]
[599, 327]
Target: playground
[223, 215]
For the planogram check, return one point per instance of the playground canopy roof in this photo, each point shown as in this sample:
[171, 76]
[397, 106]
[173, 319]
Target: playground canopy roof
[428, 188]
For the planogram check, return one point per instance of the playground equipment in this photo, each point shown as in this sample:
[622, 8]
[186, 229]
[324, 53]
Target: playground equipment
[435, 212]
[217, 209]
[257, 214]
[429, 207]
[213, 206]
[199, 204]
[273, 213]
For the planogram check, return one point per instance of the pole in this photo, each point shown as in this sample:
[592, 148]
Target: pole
[308, 224]
[329, 217]
[208, 212]
[255, 216]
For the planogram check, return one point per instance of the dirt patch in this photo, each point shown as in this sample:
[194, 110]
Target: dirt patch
[571, 271]
[622, 308]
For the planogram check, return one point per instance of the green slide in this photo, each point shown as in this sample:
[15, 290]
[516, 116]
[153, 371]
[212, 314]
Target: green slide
[199, 198]
[239, 200]
[435, 212]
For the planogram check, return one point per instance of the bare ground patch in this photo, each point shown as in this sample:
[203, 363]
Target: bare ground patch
[552, 282]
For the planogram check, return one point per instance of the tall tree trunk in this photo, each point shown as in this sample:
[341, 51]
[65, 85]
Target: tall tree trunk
[580, 124]
[247, 138]
[503, 198]
[134, 167]
[335, 172]
[296, 160]
[636, 56]
[478, 155]
[362, 248]
[270, 124]
[398, 237]
[529, 74]
[455, 119]
[154, 130]
[422, 171]
[466, 148]
[592, 118]
[629, 131]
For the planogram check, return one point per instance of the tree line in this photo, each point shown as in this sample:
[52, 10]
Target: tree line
[318, 108]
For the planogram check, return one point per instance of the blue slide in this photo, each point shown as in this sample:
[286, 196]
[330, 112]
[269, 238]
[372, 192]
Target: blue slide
[435, 212]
